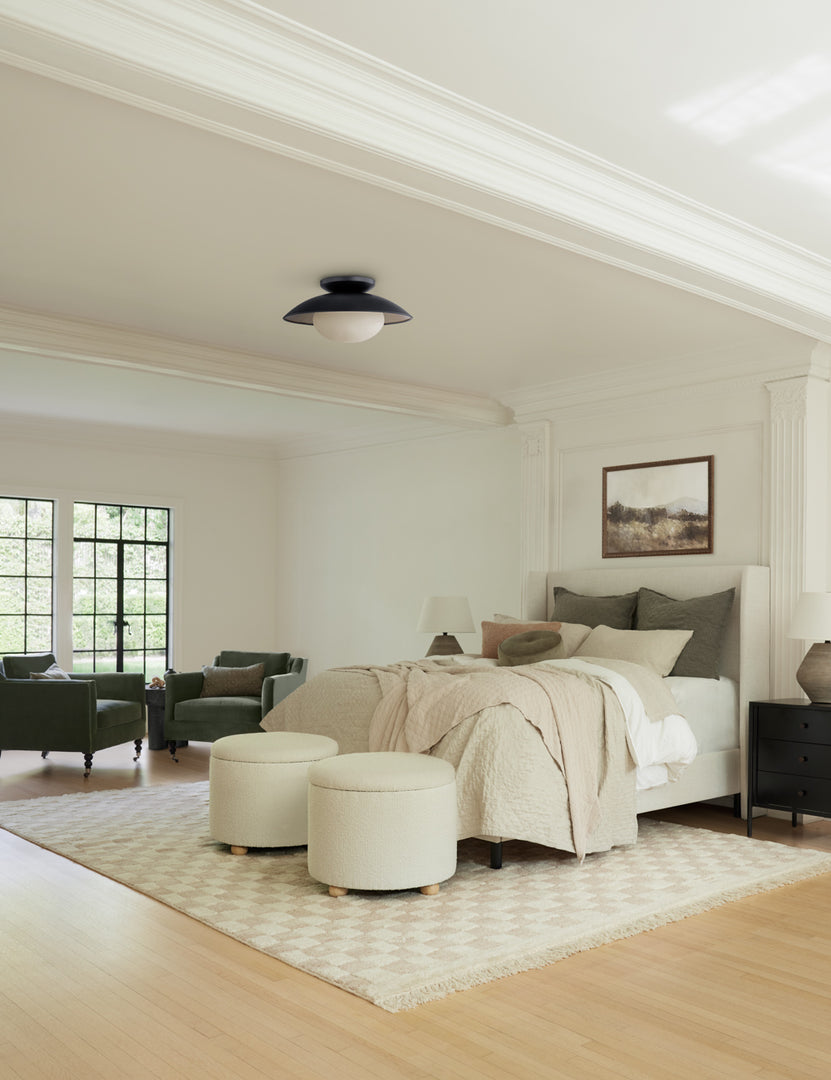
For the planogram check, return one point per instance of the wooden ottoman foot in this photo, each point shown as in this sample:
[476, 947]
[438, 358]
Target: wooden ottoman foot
[237, 850]
[429, 890]
[336, 890]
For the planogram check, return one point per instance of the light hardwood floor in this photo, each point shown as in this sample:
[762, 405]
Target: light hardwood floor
[99, 981]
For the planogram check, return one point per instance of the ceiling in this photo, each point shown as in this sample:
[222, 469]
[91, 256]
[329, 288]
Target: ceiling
[559, 193]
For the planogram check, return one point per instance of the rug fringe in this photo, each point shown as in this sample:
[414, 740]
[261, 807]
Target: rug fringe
[540, 958]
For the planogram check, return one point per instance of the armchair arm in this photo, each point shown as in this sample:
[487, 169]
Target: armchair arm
[45, 714]
[180, 686]
[277, 687]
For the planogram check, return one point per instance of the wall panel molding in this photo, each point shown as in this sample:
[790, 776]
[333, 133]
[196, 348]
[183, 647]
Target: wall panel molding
[798, 503]
[535, 503]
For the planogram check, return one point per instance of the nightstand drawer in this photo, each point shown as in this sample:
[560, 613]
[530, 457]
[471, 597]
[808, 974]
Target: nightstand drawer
[796, 793]
[803, 725]
[795, 758]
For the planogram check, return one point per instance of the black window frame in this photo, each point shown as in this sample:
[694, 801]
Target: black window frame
[30, 642]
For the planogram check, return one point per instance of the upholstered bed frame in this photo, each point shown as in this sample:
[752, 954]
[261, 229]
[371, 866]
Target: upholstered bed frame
[745, 656]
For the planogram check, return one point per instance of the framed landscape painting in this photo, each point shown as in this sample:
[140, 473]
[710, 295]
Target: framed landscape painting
[658, 508]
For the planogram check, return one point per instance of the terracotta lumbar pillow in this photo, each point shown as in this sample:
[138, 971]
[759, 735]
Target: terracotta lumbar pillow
[232, 681]
[495, 632]
[531, 647]
[573, 634]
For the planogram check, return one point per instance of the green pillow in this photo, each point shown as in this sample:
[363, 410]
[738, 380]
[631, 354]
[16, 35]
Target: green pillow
[530, 648]
[706, 616]
[232, 681]
[614, 611]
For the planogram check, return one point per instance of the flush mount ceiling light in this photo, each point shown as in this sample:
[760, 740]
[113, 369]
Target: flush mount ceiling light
[347, 311]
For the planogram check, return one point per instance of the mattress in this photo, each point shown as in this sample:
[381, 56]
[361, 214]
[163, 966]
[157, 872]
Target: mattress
[711, 708]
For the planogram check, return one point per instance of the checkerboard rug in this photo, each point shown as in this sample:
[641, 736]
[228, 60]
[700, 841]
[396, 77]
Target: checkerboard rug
[400, 949]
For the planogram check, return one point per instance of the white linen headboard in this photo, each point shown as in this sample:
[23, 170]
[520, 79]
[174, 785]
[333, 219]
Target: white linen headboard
[746, 652]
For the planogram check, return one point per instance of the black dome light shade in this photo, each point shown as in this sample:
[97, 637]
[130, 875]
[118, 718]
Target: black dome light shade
[347, 311]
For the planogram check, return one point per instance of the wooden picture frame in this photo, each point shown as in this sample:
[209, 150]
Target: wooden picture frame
[658, 508]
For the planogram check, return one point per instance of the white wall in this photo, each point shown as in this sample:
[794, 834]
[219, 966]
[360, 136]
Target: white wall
[224, 530]
[731, 427]
[328, 557]
[364, 536]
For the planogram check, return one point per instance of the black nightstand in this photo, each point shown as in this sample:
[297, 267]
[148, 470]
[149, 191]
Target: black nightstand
[789, 758]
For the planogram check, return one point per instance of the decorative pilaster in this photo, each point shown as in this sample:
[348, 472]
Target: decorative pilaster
[535, 551]
[798, 513]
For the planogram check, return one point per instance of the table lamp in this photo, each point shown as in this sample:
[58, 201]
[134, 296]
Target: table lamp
[812, 622]
[445, 616]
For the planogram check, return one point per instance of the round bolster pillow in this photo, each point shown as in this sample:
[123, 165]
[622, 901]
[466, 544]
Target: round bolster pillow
[531, 647]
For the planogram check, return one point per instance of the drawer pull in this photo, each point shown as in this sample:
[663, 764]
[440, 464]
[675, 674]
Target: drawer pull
[802, 759]
[802, 794]
[804, 724]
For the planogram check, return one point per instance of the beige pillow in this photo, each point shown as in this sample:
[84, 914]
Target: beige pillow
[52, 672]
[656, 649]
[494, 633]
[573, 634]
[232, 681]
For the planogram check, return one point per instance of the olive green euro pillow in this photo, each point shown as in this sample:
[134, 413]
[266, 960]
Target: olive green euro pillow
[706, 616]
[614, 611]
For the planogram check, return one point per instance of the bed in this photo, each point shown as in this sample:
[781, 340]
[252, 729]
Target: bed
[509, 785]
[745, 658]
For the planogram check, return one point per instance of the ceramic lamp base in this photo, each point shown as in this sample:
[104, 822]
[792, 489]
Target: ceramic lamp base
[814, 673]
[444, 645]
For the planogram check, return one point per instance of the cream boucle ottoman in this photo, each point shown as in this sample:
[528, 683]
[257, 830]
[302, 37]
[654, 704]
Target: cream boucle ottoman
[382, 821]
[258, 785]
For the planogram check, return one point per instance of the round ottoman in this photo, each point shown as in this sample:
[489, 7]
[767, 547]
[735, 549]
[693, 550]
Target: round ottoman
[382, 821]
[258, 785]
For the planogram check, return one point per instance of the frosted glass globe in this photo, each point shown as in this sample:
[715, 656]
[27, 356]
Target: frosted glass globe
[348, 325]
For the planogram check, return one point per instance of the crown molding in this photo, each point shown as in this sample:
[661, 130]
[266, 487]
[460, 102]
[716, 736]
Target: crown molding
[95, 343]
[712, 375]
[17, 427]
[248, 73]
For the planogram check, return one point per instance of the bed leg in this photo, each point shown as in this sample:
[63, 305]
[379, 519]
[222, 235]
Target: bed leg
[496, 855]
[737, 804]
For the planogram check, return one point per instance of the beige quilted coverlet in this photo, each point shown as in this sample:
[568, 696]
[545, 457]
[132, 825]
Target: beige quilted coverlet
[520, 772]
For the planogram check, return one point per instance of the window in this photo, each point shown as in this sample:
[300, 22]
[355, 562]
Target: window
[26, 531]
[120, 588]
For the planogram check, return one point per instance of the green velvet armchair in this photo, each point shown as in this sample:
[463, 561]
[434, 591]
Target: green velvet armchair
[196, 708]
[84, 713]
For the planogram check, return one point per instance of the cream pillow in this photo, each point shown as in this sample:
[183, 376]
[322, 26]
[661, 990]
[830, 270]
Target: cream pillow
[655, 649]
[52, 672]
[573, 634]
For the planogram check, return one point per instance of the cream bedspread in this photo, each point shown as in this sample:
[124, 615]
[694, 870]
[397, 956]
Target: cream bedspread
[540, 753]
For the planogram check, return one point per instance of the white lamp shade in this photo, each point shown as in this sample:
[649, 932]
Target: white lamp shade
[812, 617]
[348, 326]
[446, 615]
